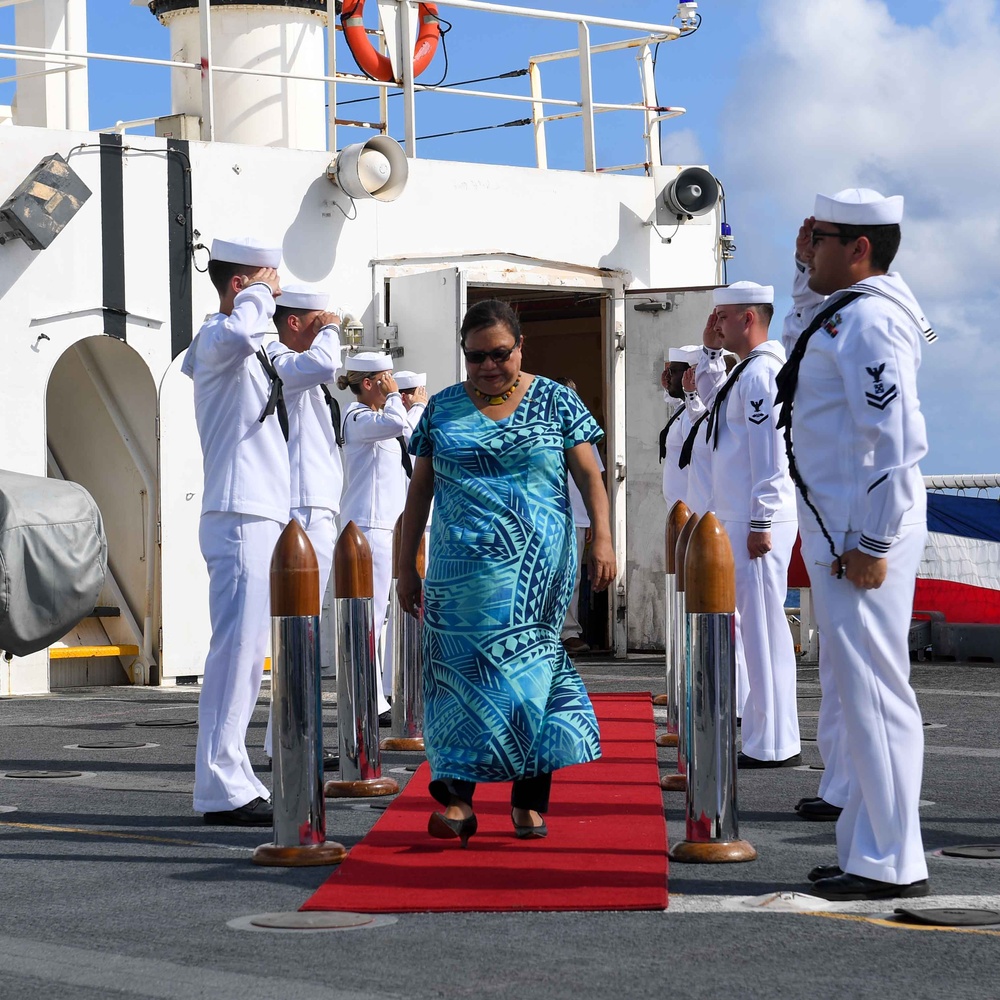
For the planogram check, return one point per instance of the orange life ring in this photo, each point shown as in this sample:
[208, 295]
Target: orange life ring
[373, 62]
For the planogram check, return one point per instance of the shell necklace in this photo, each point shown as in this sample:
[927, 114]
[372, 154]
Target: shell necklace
[502, 398]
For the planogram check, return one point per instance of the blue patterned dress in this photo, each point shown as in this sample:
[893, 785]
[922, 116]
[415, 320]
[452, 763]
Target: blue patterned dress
[501, 698]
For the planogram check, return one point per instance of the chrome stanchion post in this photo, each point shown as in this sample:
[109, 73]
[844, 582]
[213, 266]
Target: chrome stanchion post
[357, 698]
[297, 799]
[712, 821]
[407, 726]
[677, 782]
[677, 517]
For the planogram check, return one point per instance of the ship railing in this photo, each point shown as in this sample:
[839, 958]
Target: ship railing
[962, 483]
[585, 108]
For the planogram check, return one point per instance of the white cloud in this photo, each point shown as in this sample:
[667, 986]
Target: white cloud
[681, 147]
[837, 93]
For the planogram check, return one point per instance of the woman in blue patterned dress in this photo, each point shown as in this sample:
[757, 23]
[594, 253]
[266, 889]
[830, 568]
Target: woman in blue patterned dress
[502, 702]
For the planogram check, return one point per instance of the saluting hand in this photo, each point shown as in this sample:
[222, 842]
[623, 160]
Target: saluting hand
[688, 383]
[419, 395]
[387, 384]
[325, 319]
[711, 337]
[267, 275]
[803, 242]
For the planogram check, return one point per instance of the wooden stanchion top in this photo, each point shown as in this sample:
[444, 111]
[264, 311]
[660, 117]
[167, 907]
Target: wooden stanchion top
[397, 542]
[677, 517]
[352, 564]
[294, 575]
[709, 571]
[681, 548]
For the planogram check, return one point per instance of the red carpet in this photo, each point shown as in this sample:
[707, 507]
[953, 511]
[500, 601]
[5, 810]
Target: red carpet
[606, 849]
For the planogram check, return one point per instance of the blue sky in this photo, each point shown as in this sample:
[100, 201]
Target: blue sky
[784, 98]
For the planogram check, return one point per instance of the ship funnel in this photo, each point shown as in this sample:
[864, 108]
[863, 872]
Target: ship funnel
[373, 169]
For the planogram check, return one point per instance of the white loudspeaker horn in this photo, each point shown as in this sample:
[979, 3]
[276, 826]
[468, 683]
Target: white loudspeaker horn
[373, 169]
[694, 191]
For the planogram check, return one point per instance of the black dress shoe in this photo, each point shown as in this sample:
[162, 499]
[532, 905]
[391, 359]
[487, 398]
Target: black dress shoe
[819, 809]
[385, 719]
[255, 813]
[808, 798]
[440, 826]
[824, 871]
[529, 831]
[848, 886]
[331, 761]
[743, 761]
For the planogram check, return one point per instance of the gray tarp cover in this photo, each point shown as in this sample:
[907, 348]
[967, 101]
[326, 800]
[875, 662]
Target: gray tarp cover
[53, 558]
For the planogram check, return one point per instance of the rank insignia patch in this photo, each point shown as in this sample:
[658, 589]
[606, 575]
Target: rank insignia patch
[880, 395]
[757, 417]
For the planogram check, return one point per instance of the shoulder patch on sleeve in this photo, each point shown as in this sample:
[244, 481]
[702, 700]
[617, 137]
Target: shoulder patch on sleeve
[879, 394]
[756, 416]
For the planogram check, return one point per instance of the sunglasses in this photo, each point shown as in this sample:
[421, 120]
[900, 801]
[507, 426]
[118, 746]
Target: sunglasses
[499, 356]
[817, 234]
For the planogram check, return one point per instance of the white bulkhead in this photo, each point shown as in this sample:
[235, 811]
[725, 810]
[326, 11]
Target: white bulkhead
[96, 324]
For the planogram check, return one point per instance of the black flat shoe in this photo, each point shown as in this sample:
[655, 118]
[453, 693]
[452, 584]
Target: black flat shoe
[824, 871]
[529, 832]
[447, 829]
[255, 813]
[743, 761]
[331, 761]
[848, 886]
[819, 809]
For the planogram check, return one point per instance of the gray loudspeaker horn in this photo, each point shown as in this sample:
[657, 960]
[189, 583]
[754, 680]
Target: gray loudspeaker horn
[373, 169]
[694, 191]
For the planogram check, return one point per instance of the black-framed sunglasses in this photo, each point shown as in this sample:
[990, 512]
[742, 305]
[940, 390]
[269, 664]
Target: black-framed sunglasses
[818, 234]
[499, 356]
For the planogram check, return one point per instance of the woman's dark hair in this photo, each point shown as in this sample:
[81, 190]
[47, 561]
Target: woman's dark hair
[490, 312]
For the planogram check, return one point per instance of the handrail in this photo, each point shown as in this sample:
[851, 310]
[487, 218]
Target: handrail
[585, 107]
[971, 481]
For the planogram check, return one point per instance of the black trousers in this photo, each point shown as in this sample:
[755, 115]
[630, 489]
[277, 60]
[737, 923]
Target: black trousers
[526, 793]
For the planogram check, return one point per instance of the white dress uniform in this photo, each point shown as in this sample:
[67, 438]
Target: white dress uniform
[710, 374]
[244, 508]
[375, 493]
[315, 465]
[858, 437]
[675, 479]
[753, 492]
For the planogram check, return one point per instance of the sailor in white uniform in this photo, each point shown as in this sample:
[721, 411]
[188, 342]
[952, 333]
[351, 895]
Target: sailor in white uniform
[413, 388]
[678, 426]
[242, 423]
[316, 468]
[755, 501]
[850, 408]
[377, 467]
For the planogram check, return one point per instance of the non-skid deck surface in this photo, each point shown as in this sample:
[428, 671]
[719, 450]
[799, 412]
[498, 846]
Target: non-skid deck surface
[606, 849]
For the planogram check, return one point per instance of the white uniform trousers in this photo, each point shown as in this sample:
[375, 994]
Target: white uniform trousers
[770, 727]
[237, 549]
[380, 540]
[571, 626]
[742, 678]
[866, 634]
[833, 786]
[320, 525]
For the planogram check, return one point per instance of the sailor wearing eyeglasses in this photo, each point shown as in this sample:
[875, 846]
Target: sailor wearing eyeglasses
[856, 433]
[376, 468]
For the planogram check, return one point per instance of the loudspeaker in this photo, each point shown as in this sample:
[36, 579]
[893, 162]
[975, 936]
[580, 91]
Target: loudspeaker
[694, 191]
[373, 169]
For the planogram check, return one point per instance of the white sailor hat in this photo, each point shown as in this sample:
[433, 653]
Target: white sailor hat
[859, 207]
[247, 251]
[298, 296]
[743, 293]
[369, 361]
[688, 355]
[410, 380]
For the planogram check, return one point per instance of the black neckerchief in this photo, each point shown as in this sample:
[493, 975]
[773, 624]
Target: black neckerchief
[276, 394]
[331, 401]
[688, 446]
[666, 430]
[407, 464]
[788, 380]
[720, 398]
